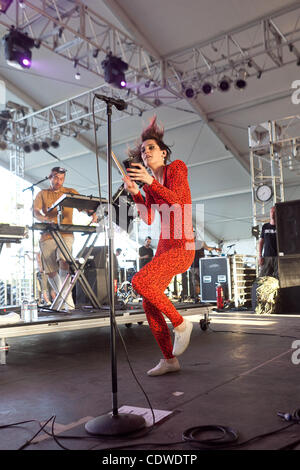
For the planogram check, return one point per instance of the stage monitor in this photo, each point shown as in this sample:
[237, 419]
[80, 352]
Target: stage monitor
[288, 227]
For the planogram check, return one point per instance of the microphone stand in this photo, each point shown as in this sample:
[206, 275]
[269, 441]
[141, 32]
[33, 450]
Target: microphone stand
[33, 238]
[113, 423]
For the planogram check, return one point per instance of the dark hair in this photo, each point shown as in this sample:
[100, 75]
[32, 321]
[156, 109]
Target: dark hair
[152, 132]
[148, 238]
[57, 169]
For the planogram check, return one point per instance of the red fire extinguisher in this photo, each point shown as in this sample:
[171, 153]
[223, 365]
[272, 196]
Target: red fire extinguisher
[220, 296]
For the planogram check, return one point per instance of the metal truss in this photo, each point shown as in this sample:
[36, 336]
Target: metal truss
[257, 47]
[77, 33]
[74, 31]
[266, 167]
[70, 117]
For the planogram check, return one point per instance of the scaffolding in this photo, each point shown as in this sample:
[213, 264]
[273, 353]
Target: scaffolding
[266, 169]
[274, 152]
[22, 285]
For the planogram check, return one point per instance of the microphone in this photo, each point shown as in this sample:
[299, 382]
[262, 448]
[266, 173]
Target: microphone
[35, 184]
[230, 246]
[118, 103]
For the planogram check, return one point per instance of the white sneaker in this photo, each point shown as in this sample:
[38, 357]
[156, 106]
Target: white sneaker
[163, 367]
[182, 338]
[69, 303]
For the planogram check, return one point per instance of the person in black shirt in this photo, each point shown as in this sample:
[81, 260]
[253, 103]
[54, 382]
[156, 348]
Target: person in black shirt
[145, 252]
[267, 259]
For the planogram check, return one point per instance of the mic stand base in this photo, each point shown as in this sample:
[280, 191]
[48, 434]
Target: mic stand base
[115, 425]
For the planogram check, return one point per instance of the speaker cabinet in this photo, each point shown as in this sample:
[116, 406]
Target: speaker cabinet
[288, 245]
[99, 283]
[288, 227]
[289, 300]
[214, 271]
[98, 258]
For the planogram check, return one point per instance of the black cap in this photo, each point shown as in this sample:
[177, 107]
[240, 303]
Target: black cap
[58, 169]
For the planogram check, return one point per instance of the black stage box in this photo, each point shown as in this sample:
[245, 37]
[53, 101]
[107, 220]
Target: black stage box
[99, 282]
[288, 227]
[289, 271]
[289, 299]
[98, 257]
[214, 271]
[288, 246]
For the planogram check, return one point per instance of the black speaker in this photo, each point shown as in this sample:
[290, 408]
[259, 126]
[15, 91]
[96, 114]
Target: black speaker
[288, 227]
[98, 259]
[214, 271]
[99, 283]
[289, 271]
[289, 299]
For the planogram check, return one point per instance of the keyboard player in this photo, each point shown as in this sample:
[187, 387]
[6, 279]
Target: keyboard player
[54, 263]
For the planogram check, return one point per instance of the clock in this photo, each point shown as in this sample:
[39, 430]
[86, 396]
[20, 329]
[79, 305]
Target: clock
[264, 193]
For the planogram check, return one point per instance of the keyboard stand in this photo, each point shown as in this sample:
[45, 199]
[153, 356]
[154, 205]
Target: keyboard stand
[76, 271]
[76, 268]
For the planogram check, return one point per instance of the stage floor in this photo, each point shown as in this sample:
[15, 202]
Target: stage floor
[239, 373]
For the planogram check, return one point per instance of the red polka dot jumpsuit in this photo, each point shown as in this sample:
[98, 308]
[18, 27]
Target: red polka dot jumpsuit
[175, 251]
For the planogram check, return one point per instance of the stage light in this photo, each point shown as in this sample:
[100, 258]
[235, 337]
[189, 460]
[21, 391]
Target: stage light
[224, 84]
[240, 82]
[77, 75]
[36, 146]
[17, 49]
[4, 5]
[3, 145]
[207, 88]
[55, 141]
[255, 231]
[114, 69]
[189, 92]
[46, 144]
[27, 148]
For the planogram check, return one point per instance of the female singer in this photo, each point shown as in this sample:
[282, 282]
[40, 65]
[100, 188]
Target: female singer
[167, 187]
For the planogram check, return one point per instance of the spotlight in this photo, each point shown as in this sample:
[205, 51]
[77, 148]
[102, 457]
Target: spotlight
[240, 82]
[255, 231]
[77, 75]
[36, 146]
[46, 144]
[189, 92]
[157, 102]
[207, 88]
[17, 49]
[4, 5]
[55, 141]
[27, 147]
[3, 145]
[114, 69]
[224, 83]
